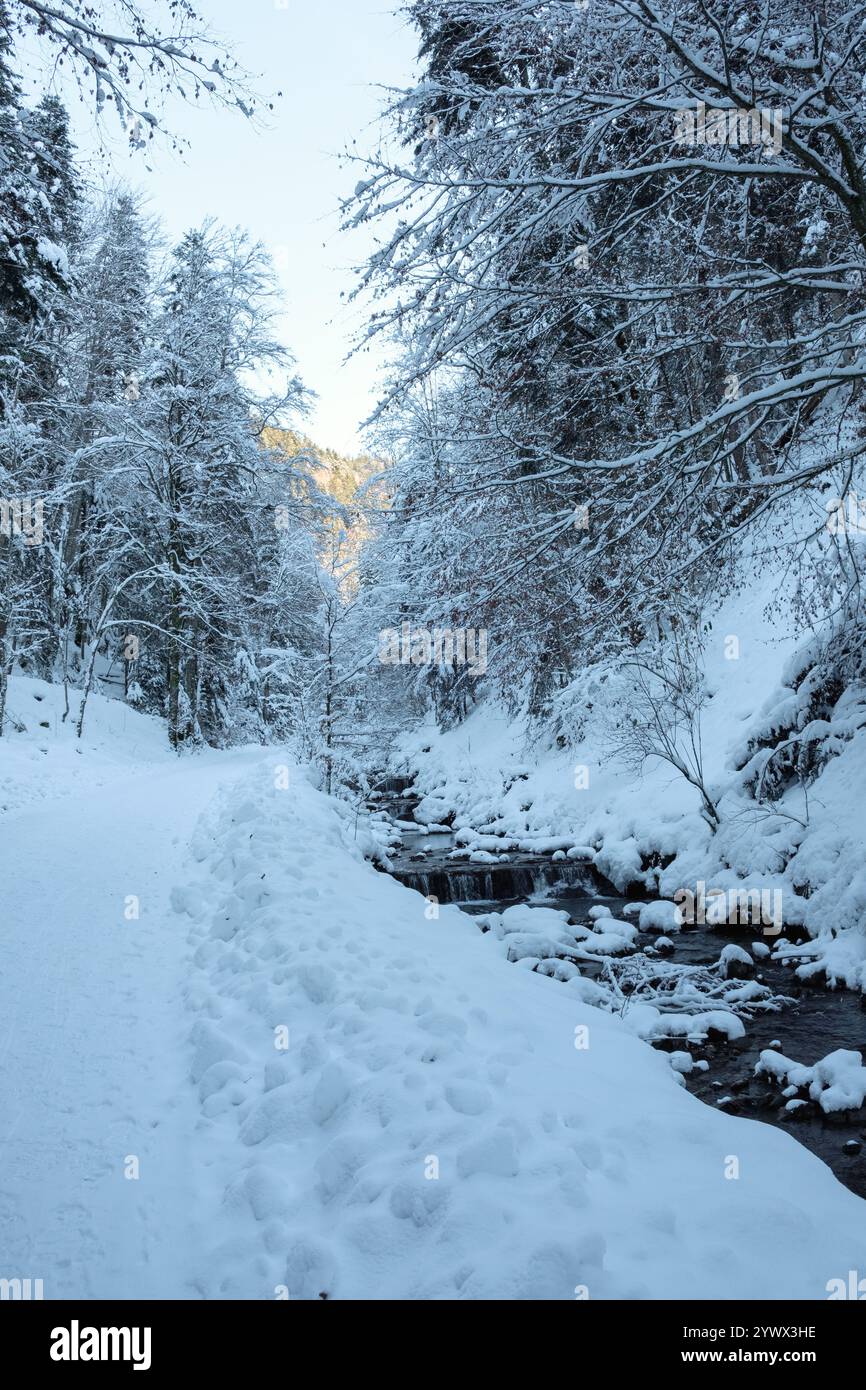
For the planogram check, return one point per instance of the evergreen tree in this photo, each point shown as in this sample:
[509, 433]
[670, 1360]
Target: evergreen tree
[37, 201]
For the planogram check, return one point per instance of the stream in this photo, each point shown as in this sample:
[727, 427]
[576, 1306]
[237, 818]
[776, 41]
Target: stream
[815, 1022]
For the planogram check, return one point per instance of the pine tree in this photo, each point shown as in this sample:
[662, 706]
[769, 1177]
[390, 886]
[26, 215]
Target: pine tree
[37, 200]
[107, 329]
[187, 523]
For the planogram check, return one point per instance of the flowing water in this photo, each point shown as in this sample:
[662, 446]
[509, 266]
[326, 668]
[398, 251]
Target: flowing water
[816, 1021]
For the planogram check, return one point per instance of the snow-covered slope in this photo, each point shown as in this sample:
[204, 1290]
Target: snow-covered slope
[327, 1091]
[399, 1113]
[810, 848]
[42, 760]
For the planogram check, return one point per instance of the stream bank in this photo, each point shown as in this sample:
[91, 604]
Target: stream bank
[804, 1020]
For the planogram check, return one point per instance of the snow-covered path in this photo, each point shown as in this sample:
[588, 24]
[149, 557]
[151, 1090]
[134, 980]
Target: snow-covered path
[329, 1091]
[94, 1032]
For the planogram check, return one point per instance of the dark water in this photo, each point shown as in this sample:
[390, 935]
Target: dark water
[502, 884]
[816, 1021]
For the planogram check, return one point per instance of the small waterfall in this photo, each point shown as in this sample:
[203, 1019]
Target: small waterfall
[393, 786]
[467, 883]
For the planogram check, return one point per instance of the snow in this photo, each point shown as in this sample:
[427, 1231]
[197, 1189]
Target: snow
[431, 811]
[54, 254]
[329, 1092]
[46, 764]
[660, 916]
[733, 956]
[417, 1048]
[240, 1059]
[836, 1082]
[94, 1028]
[620, 823]
[681, 1061]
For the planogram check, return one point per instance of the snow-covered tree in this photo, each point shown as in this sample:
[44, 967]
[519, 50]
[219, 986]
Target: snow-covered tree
[128, 56]
[37, 218]
[630, 238]
[190, 448]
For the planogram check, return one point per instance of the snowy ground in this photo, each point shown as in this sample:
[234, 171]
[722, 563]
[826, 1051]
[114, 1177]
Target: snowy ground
[329, 1093]
[93, 1025]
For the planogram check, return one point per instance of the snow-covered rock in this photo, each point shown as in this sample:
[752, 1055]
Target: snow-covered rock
[836, 1082]
[735, 963]
[662, 916]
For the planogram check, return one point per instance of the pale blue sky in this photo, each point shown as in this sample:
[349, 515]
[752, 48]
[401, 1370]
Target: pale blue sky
[283, 183]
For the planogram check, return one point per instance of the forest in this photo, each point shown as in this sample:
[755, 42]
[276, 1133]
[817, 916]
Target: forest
[527, 735]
